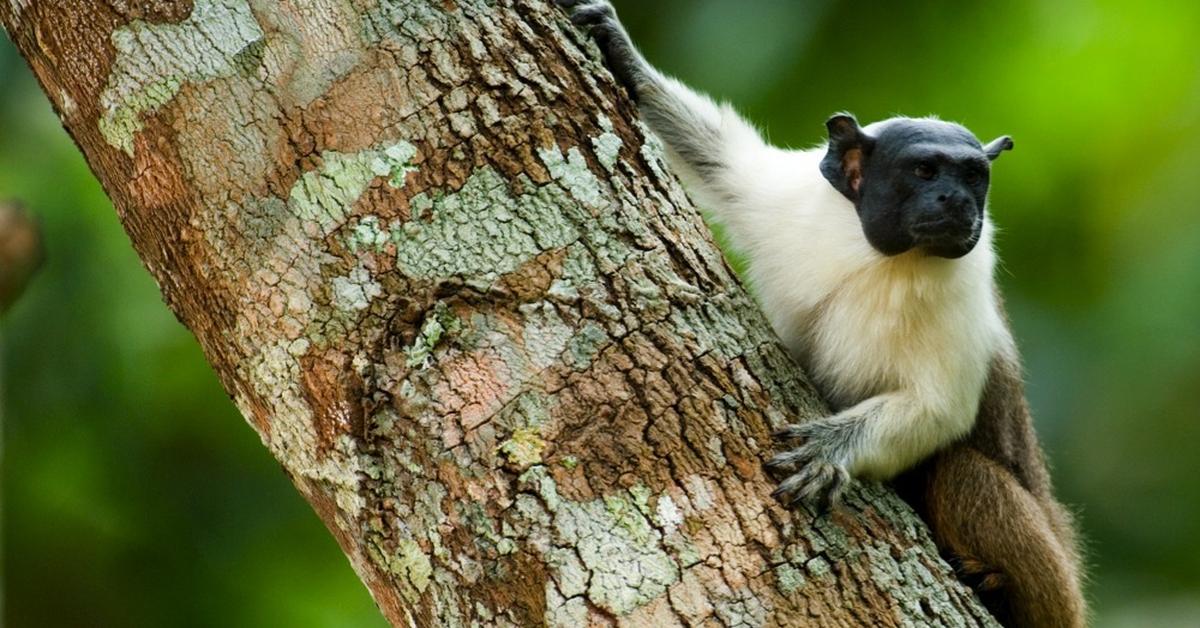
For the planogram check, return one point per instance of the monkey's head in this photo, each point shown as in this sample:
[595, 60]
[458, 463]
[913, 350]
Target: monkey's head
[916, 183]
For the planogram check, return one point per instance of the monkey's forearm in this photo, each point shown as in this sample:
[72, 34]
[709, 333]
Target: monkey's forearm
[899, 433]
[877, 438]
[697, 131]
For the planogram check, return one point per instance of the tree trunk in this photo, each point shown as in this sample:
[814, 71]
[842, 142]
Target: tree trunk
[445, 275]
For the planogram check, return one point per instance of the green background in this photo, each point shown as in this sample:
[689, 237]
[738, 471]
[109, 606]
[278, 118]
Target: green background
[135, 495]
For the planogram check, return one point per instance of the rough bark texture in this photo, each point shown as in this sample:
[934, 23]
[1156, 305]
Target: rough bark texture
[444, 274]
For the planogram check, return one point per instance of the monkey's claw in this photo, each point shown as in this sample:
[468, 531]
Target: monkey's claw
[818, 473]
[585, 13]
[599, 20]
[789, 432]
[818, 482]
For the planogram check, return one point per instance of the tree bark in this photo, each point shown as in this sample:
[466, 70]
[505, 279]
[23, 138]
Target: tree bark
[444, 273]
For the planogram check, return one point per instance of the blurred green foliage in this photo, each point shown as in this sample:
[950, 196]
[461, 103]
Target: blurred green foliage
[136, 495]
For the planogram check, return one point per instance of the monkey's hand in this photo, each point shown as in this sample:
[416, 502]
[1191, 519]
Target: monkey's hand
[599, 19]
[818, 465]
[878, 438]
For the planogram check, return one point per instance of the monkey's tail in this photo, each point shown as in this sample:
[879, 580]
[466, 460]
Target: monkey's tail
[1005, 542]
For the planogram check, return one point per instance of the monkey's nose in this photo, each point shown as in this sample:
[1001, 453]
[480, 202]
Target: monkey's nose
[952, 200]
[954, 208]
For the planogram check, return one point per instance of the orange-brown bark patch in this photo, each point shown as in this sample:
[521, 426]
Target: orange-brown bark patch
[334, 392]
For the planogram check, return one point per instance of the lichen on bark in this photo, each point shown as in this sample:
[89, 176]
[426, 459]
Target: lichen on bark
[154, 61]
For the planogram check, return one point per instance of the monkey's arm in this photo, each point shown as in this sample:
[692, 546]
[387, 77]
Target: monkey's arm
[876, 438]
[895, 417]
[713, 149]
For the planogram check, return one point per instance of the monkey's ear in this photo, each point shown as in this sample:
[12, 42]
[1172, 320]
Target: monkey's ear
[997, 146]
[849, 148]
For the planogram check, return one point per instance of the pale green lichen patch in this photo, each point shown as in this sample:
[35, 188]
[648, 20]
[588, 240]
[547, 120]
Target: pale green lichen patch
[641, 497]
[538, 480]
[571, 576]
[653, 151]
[481, 231]
[586, 344]
[344, 477]
[572, 172]
[325, 195]
[525, 416]
[720, 325]
[154, 61]
[546, 334]
[818, 567]
[527, 410]
[620, 550]
[368, 235]
[607, 145]
[311, 46]
[412, 20]
[789, 579]
[483, 527]
[578, 273]
[524, 448]
[606, 549]
[412, 563]
[742, 608]
[564, 612]
[438, 323]
[666, 513]
[394, 163]
[355, 291]
[909, 571]
[415, 554]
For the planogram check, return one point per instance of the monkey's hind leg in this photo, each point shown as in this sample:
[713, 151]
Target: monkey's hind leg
[1004, 540]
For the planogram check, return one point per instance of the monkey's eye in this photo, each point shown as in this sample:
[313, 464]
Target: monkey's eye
[925, 171]
[973, 176]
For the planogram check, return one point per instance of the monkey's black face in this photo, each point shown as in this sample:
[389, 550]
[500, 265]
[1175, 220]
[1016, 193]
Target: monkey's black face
[916, 184]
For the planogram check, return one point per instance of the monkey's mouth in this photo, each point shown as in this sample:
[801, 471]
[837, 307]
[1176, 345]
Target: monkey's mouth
[946, 236]
[942, 225]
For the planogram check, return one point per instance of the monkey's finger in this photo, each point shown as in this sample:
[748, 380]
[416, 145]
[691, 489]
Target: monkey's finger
[831, 496]
[789, 485]
[812, 490]
[592, 14]
[797, 481]
[569, 4]
[792, 431]
[792, 459]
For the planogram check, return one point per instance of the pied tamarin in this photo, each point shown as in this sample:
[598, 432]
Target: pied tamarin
[872, 257]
